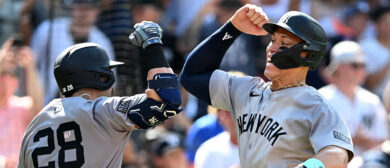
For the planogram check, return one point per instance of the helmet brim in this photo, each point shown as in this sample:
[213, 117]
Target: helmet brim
[114, 64]
[270, 27]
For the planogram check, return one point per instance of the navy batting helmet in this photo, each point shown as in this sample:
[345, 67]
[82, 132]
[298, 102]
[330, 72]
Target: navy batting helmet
[309, 30]
[84, 65]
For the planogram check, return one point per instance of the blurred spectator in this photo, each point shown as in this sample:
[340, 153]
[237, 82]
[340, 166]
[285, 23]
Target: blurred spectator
[329, 13]
[341, 20]
[33, 13]
[53, 36]
[362, 110]
[220, 151]
[130, 157]
[276, 8]
[165, 150]
[152, 10]
[183, 12]
[9, 18]
[116, 22]
[201, 130]
[376, 3]
[380, 156]
[377, 50]
[16, 112]
[352, 24]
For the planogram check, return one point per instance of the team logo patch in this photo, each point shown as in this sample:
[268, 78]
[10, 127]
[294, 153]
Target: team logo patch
[123, 106]
[341, 137]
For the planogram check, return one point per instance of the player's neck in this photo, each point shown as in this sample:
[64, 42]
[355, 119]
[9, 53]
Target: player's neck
[288, 81]
[88, 94]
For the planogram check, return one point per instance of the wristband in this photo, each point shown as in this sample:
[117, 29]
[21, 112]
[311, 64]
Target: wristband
[313, 163]
[154, 57]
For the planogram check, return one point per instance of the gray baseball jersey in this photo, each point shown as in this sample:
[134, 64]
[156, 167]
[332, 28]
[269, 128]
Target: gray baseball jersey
[75, 132]
[277, 128]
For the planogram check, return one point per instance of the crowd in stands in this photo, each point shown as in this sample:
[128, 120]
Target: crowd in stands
[353, 76]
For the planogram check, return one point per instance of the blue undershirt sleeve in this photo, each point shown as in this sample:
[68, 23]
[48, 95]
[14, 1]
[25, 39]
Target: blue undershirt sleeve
[206, 58]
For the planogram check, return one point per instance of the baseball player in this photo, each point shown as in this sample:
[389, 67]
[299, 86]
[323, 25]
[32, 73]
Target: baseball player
[282, 123]
[88, 128]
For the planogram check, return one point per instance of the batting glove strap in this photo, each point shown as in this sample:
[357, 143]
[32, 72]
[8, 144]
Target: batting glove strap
[151, 113]
[312, 163]
[154, 40]
[146, 33]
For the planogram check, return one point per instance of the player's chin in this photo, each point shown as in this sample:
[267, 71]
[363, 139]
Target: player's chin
[270, 70]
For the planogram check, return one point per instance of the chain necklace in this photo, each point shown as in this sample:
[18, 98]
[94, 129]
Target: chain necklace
[86, 96]
[288, 86]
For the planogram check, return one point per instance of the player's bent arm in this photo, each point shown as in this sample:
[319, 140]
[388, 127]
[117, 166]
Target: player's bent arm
[329, 157]
[333, 157]
[206, 58]
[163, 93]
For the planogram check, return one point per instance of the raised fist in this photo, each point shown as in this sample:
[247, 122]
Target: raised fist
[250, 19]
[146, 33]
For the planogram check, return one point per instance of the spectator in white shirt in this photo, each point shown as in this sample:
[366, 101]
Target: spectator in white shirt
[362, 110]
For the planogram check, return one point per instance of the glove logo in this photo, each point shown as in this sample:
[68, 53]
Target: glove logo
[159, 109]
[169, 113]
[153, 120]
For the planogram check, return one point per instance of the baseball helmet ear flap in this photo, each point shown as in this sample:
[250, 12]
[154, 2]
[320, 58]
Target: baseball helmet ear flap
[84, 65]
[306, 28]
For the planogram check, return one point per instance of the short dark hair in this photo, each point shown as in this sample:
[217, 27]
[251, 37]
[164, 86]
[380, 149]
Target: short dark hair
[156, 3]
[378, 12]
[230, 4]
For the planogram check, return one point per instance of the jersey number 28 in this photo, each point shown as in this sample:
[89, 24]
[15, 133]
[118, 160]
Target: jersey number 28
[61, 132]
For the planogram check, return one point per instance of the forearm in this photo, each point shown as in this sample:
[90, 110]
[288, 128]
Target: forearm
[163, 93]
[365, 142]
[156, 67]
[34, 88]
[375, 78]
[333, 157]
[206, 58]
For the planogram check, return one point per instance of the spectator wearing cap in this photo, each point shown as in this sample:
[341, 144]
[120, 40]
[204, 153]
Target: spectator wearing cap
[167, 151]
[362, 110]
[353, 23]
[66, 31]
[377, 51]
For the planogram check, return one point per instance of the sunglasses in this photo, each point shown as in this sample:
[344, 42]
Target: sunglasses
[357, 65]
